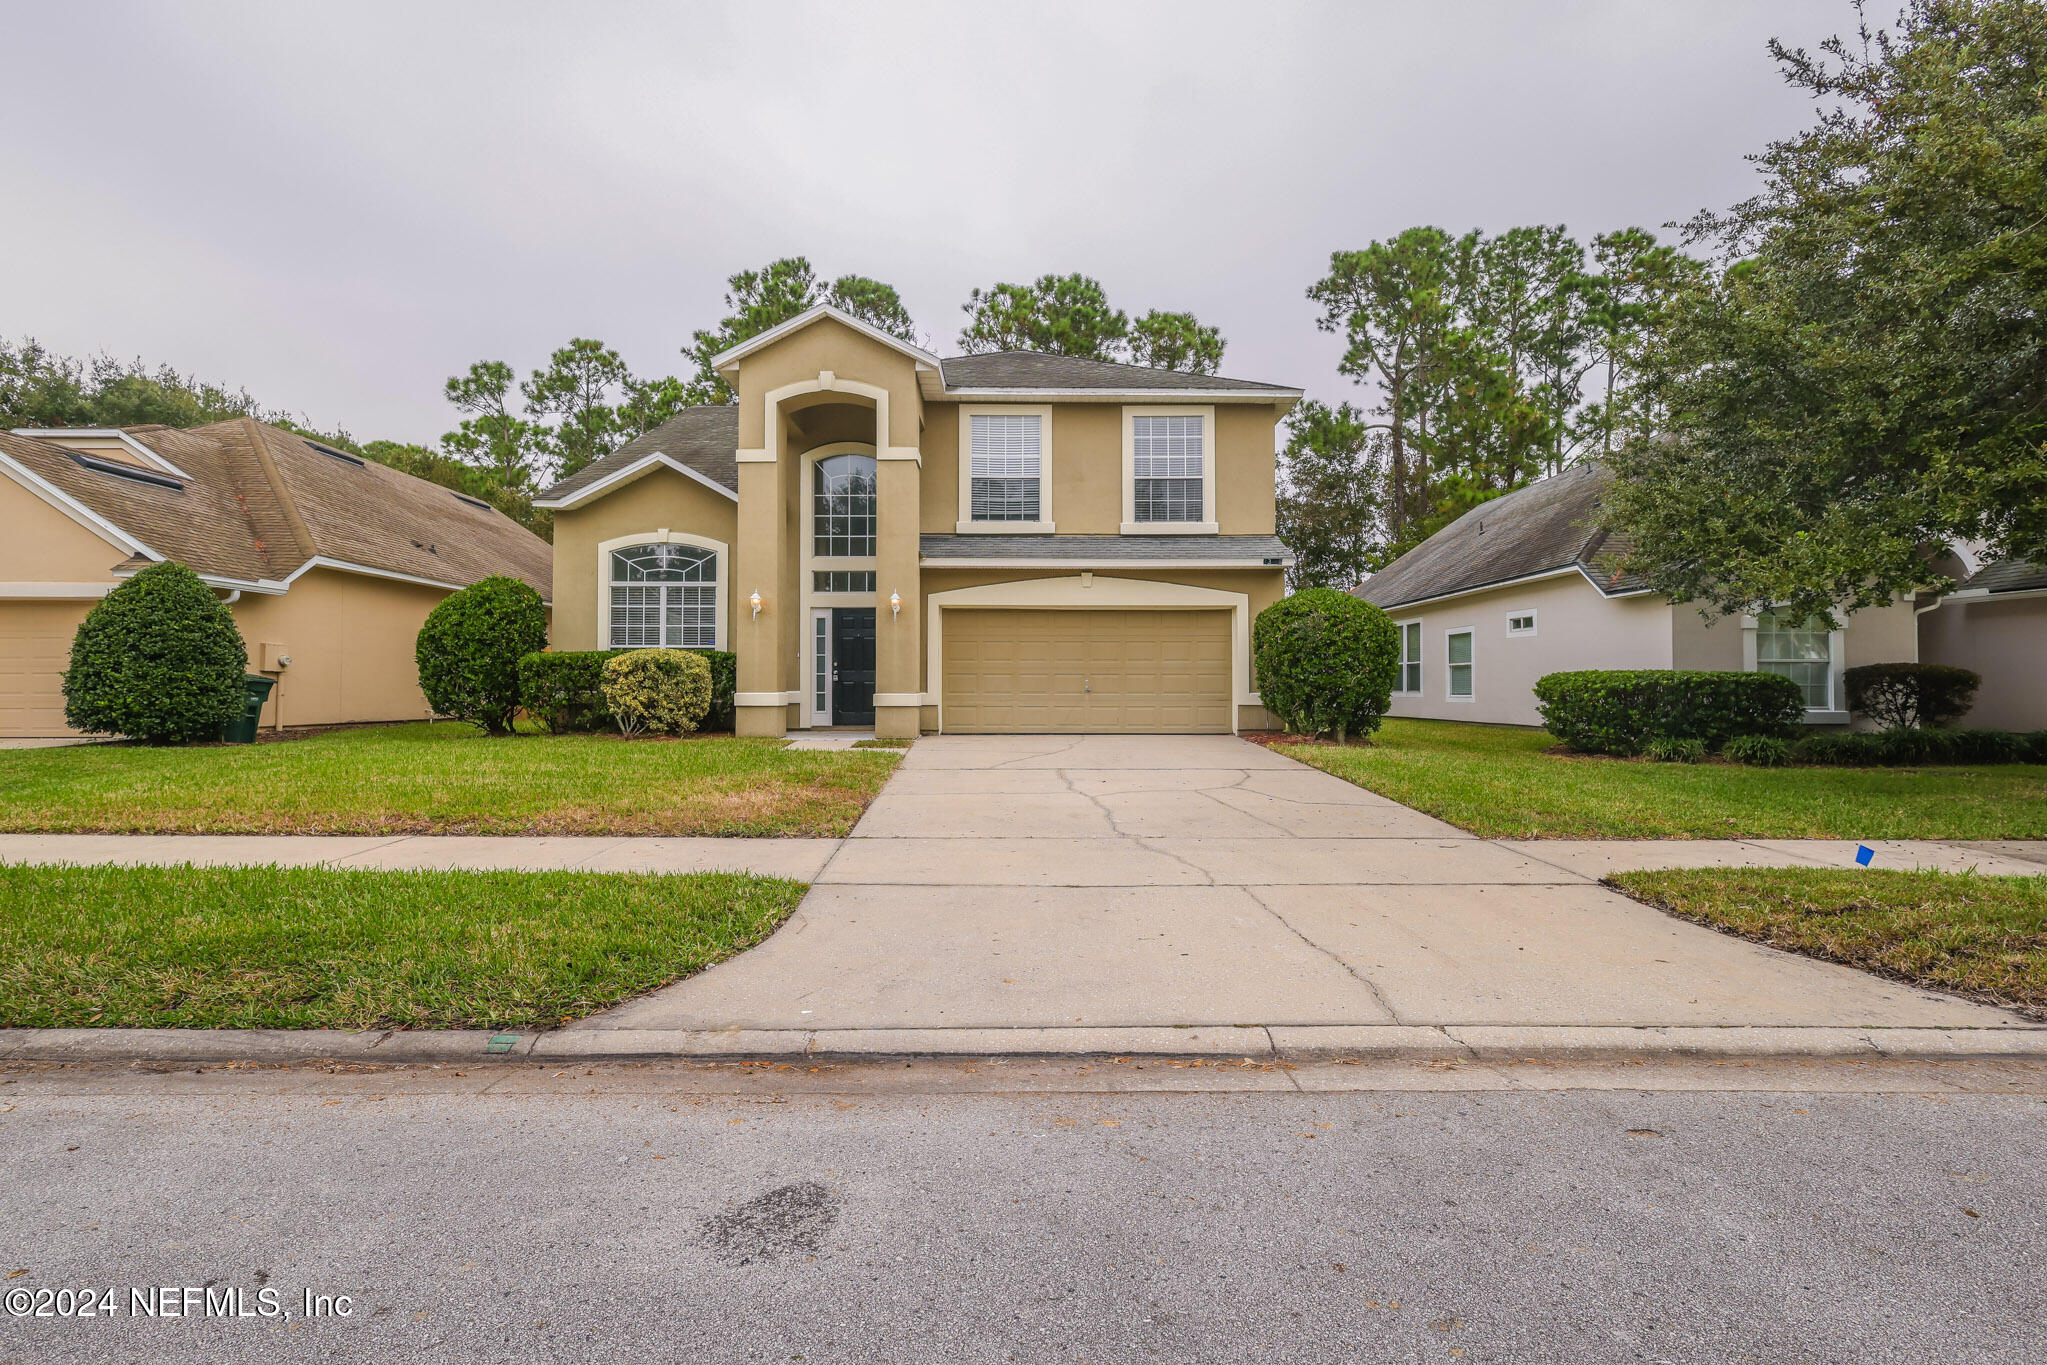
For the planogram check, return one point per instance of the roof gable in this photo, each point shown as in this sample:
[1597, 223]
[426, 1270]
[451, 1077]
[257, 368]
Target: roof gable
[703, 442]
[732, 355]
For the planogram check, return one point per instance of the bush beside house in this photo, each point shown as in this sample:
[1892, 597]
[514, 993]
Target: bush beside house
[564, 689]
[470, 647]
[657, 691]
[158, 659]
[1326, 662]
[1905, 696]
[1622, 711]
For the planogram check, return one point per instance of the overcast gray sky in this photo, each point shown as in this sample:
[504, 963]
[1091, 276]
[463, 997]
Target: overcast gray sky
[340, 205]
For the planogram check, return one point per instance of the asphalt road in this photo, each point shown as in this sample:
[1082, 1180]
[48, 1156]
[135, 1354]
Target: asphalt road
[947, 1213]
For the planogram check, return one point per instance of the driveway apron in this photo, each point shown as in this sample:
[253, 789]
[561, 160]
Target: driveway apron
[1190, 881]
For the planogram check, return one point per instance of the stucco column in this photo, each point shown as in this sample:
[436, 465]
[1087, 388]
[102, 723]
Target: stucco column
[898, 671]
[757, 639]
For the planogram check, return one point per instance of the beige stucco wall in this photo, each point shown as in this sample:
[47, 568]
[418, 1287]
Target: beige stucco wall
[351, 639]
[660, 500]
[1575, 627]
[43, 545]
[2006, 642]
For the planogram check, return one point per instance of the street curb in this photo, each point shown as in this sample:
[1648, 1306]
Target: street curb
[1281, 1043]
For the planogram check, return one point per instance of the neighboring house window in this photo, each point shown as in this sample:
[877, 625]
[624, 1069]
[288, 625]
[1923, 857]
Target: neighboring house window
[1457, 658]
[843, 507]
[664, 597]
[1167, 465]
[1410, 657]
[1006, 466]
[1802, 652]
[1521, 623]
[842, 580]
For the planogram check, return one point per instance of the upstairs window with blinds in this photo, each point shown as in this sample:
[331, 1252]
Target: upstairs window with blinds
[1007, 466]
[1167, 468]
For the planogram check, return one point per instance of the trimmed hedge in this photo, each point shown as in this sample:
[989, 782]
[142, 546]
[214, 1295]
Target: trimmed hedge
[659, 691]
[1916, 747]
[1619, 711]
[470, 647]
[1326, 662]
[158, 659]
[1904, 696]
[565, 689]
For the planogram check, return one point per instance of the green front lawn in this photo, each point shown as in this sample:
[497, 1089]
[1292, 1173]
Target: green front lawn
[1500, 783]
[443, 779]
[271, 947]
[1981, 936]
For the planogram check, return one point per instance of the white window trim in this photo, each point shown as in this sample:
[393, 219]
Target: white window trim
[1448, 635]
[1835, 713]
[1044, 525]
[1207, 525]
[664, 536]
[811, 709]
[1530, 613]
[1402, 661]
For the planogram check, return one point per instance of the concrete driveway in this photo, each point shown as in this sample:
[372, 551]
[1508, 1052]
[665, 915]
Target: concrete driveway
[1124, 881]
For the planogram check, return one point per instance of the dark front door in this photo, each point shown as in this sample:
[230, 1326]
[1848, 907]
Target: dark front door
[852, 665]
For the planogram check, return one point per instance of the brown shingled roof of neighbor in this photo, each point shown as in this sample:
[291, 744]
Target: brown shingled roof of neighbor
[704, 438]
[261, 501]
[2007, 575]
[1550, 524]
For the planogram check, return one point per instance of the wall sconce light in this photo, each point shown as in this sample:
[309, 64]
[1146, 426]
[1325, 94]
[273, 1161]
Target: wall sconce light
[895, 604]
[754, 601]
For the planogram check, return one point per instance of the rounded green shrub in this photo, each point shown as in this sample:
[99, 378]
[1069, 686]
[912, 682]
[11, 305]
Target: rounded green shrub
[1326, 662]
[470, 647]
[1758, 751]
[1908, 696]
[564, 690]
[657, 691]
[1618, 711]
[158, 659]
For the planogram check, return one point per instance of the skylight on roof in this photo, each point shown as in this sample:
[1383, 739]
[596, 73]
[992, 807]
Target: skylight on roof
[121, 470]
[473, 502]
[337, 454]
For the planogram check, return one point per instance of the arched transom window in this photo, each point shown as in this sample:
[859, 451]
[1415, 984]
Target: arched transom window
[842, 512]
[664, 597]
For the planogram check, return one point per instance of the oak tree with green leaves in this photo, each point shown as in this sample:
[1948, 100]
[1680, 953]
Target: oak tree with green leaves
[757, 301]
[1867, 380]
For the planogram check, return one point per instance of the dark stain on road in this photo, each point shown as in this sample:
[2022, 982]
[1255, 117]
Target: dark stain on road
[790, 1218]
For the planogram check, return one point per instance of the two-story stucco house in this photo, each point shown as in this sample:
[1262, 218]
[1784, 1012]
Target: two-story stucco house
[1007, 542]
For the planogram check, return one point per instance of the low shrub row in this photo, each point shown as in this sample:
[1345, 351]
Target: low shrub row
[1908, 748]
[1624, 711]
[564, 690]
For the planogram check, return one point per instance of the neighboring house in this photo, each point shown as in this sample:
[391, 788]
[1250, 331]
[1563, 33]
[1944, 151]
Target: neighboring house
[1995, 622]
[1008, 542]
[329, 562]
[1524, 585]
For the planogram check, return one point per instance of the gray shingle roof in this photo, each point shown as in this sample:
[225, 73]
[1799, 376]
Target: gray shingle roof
[1548, 525]
[2009, 575]
[706, 439]
[1034, 370]
[938, 549]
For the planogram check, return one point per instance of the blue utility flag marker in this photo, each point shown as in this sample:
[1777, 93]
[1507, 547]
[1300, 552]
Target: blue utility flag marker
[1863, 853]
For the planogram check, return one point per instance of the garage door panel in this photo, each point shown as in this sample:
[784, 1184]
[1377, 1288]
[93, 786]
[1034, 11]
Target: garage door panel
[1076, 671]
[35, 649]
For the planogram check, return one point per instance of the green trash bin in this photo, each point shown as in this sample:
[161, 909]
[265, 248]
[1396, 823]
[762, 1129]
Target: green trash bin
[255, 691]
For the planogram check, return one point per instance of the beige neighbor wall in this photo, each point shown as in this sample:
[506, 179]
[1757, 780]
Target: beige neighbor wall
[660, 500]
[54, 571]
[1262, 587]
[1575, 627]
[352, 640]
[2005, 642]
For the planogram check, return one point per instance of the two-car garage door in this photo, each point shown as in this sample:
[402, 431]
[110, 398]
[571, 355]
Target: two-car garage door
[35, 649]
[1086, 672]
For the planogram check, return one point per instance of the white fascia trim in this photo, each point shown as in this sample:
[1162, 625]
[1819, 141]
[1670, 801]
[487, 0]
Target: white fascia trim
[74, 509]
[1987, 595]
[1102, 563]
[56, 591]
[1288, 396]
[823, 310]
[141, 451]
[637, 467]
[368, 571]
[1564, 572]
